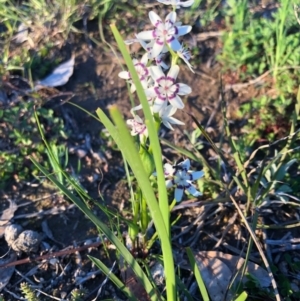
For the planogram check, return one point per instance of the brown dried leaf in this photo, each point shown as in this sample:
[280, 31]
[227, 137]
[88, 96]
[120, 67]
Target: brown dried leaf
[218, 268]
[235, 263]
[7, 215]
[216, 275]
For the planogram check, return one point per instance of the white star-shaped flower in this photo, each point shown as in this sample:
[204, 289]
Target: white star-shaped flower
[164, 33]
[181, 177]
[185, 55]
[138, 128]
[142, 71]
[177, 3]
[165, 89]
[166, 117]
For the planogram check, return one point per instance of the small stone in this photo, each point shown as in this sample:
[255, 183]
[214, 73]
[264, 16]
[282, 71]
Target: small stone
[28, 241]
[11, 233]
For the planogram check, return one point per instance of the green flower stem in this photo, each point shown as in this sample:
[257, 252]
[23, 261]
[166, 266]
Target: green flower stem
[144, 215]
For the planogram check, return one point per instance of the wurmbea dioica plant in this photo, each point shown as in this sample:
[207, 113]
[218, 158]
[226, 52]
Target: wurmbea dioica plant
[155, 83]
[162, 90]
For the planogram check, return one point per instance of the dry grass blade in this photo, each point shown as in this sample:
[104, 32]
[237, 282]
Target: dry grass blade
[261, 252]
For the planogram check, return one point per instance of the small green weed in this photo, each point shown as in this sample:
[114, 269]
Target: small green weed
[20, 139]
[28, 292]
[255, 44]
[266, 119]
[78, 294]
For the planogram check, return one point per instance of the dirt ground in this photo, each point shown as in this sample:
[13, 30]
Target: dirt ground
[95, 83]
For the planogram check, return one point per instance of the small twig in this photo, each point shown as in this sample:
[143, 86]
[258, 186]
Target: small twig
[231, 221]
[38, 199]
[282, 242]
[231, 248]
[240, 86]
[52, 297]
[194, 238]
[90, 275]
[200, 219]
[203, 74]
[40, 214]
[267, 247]
[14, 295]
[208, 35]
[32, 272]
[283, 249]
[24, 277]
[51, 255]
[286, 248]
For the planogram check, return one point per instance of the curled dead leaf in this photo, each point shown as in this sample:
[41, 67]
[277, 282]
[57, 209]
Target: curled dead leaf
[59, 76]
[218, 269]
[7, 215]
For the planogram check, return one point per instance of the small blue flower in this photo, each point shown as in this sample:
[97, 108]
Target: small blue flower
[181, 177]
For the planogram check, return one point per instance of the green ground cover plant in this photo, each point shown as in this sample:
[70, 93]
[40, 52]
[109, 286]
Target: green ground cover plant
[21, 139]
[259, 43]
[263, 43]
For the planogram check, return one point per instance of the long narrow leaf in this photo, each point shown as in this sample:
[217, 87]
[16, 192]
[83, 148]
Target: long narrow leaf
[106, 231]
[197, 274]
[121, 135]
[101, 266]
[242, 297]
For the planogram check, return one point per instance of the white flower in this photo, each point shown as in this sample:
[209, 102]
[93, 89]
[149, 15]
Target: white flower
[177, 3]
[148, 47]
[138, 128]
[185, 55]
[165, 89]
[182, 179]
[166, 117]
[142, 71]
[164, 33]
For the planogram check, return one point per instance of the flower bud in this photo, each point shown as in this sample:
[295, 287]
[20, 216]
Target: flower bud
[147, 159]
[133, 231]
